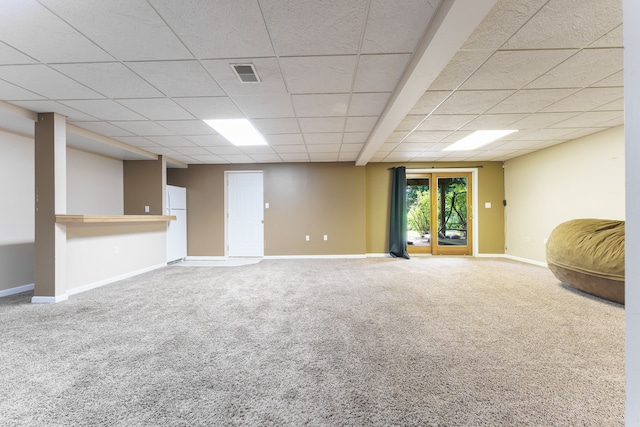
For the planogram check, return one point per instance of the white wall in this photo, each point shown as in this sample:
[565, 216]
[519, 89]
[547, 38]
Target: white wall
[16, 211]
[583, 178]
[94, 184]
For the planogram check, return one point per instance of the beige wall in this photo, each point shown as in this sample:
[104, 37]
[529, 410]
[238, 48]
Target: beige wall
[94, 184]
[305, 199]
[144, 185]
[350, 204]
[583, 178]
[490, 189]
[17, 221]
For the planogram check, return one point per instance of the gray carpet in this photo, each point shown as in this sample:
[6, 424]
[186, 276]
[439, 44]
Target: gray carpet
[436, 341]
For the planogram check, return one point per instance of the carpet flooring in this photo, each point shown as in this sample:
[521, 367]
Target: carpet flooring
[434, 341]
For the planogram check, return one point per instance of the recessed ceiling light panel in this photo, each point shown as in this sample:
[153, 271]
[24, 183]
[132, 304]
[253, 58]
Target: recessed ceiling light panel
[239, 132]
[478, 139]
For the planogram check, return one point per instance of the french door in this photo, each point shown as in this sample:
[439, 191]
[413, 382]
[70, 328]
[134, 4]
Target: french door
[439, 213]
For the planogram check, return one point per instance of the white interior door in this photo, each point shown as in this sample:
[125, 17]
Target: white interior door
[245, 215]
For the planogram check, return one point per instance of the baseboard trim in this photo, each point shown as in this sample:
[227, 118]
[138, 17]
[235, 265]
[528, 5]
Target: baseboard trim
[380, 255]
[49, 300]
[99, 283]
[315, 256]
[526, 260]
[206, 258]
[16, 290]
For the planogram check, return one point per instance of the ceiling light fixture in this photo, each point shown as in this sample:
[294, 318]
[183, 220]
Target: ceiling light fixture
[239, 132]
[478, 139]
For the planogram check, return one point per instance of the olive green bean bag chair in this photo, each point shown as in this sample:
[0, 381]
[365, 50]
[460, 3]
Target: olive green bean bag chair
[588, 254]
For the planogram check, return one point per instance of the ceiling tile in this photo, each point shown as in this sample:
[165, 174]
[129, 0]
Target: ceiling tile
[541, 120]
[613, 38]
[171, 141]
[617, 105]
[265, 106]
[321, 124]
[368, 104]
[446, 122]
[276, 126]
[461, 66]
[266, 158]
[472, 102]
[288, 149]
[583, 69]
[127, 29]
[324, 105]
[379, 73]
[506, 17]
[214, 107]
[165, 151]
[112, 79]
[587, 99]
[209, 158]
[10, 92]
[388, 147]
[226, 150]
[589, 19]
[493, 121]
[310, 27]
[177, 78]
[351, 148]
[323, 148]
[515, 69]
[410, 122]
[393, 29]
[257, 149]
[104, 109]
[427, 136]
[157, 108]
[355, 137]
[397, 136]
[295, 157]
[347, 156]
[35, 31]
[143, 128]
[237, 158]
[361, 124]
[320, 74]
[323, 138]
[531, 100]
[413, 146]
[267, 69]
[9, 55]
[136, 141]
[323, 157]
[187, 127]
[240, 30]
[285, 139]
[429, 101]
[589, 119]
[46, 106]
[45, 81]
[104, 128]
[616, 79]
[208, 140]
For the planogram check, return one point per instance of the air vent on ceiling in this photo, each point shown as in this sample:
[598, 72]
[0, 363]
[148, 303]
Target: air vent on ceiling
[246, 73]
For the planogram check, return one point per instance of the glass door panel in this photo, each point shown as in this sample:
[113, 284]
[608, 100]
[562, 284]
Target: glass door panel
[452, 214]
[418, 214]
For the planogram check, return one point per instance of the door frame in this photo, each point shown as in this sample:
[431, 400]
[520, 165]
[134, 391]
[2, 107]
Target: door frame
[474, 198]
[227, 173]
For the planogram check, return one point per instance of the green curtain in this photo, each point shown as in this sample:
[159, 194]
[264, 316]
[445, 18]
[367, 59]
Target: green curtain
[398, 216]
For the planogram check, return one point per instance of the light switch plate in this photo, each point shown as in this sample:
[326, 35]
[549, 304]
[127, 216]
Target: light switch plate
[487, 205]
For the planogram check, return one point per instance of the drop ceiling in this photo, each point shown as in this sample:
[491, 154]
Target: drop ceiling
[355, 81]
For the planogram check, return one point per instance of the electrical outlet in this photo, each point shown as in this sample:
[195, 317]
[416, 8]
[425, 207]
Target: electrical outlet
[326, 237]
[116, 250]
[146, 209]
[306, 238]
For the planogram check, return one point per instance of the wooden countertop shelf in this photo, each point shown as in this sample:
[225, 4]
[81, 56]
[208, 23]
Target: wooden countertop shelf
[84, 219]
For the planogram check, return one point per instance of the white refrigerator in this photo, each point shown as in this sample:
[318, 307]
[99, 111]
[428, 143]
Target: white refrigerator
[177, 229]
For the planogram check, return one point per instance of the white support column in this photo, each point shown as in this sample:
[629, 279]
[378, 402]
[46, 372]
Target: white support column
[51, 199]
[631, 21]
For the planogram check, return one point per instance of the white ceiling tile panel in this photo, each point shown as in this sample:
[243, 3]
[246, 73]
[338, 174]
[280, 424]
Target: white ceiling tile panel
[587, 99]
[210, 158]
[9, 55]
[472, 102]
[361, 124]
[396, 28]
[506, 17]
[284, 139]
[355, 137]
[401, 156]
[267, 69]
[212, 107]
[410, 122]
[143, 127]
[589, 19]
[323, 105]
[12, 92]
[104, 128]
[590, 119]
[265, 106]
[323, 148]
[266, 158]
[379, 73]
[347, 156]
[351, 148]
[227, 150]
[208, 140]
[429, 101]
[295, 157]
[617, 105]
[613, 38]
[368, 104]
[531, 100]
[171, 141]
[30, 28]
[388, 147]
[446, 122]
[165, 151]
[427, 136]
[104, 109]
[187, 127]
[289, 149]
[110, 79]
[218, 28]
[541, 120]
[177, 78]
[413, 146]
[616, 79]
[515, 69]
[323, 157]
[323, 138]
[310, 27]
[538, 134]
[157, 108]
[583, 69]
[463, 64]
[45, 81]
[321, 124]
[257, 149]
[321, 74]
[493, 121]
[46, 106]
[127, 29]
[397, 136]
[136, 141]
